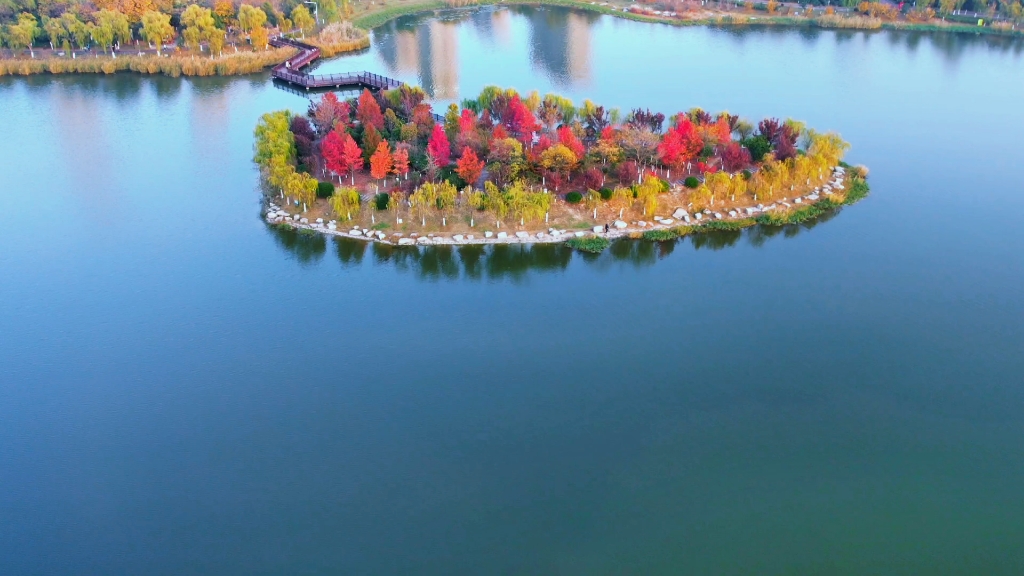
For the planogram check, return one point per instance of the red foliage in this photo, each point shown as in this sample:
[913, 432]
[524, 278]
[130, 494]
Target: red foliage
[735, 157]
[628, 172]
[608, 133]
[567, 138]
[351, 155]
[543, 143]
[381, 162]
[401, 159]
[499, 132]
[593, 178]
[706, 169]
[467, 121]
[423, 118]
[332, 149]
[680, 144]
[368, 111]
[720, 131]
[470, 166]
[519, 121]
[438, 147]
[329, 113]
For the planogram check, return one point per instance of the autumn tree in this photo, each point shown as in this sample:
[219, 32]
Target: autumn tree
[351, 156]
[438, 147]
[332, 149]
[368, 111]
[559, 159]
[506, 161]
[303, 20]
[345, 202]
[329, 112]
[469, 167]
[381, 162]
[371, 139]
[401, 161]
[21, 35]
[569, 139]
[156, 28]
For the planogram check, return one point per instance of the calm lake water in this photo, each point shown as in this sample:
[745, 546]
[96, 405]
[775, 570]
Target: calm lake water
[184, 391]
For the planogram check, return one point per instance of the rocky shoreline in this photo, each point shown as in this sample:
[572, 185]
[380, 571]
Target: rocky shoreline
[274, 214]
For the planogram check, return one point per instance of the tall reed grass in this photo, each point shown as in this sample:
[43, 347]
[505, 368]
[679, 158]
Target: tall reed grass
[226, 65]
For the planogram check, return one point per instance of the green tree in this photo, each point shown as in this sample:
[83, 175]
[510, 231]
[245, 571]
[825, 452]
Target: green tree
[21, 35]
[55, 32]
[156, 28]
[103, 35]
[117, 23]
[76, 29]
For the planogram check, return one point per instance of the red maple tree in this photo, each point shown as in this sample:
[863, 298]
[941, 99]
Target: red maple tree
[368, 111]
[351, 157]
[568, 138]
[332, 149]
[467, 121]
[470, 166]
[438, 147]
[381, 162]
[680, 144]
[401, 159]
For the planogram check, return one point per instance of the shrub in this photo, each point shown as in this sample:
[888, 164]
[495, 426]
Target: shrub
[758, 146]
[593, 244]
[606, 194]
[691, 182]
[324, 190]
[574, 197]
[380, 201]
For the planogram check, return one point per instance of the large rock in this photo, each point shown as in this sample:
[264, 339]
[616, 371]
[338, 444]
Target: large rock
[620, 224]
[580, 234]
[598, 229]
[732, 213]
[357, 232]
[488, 234]
[502, 235]
[459, 237]
[678, 213]
[405, 241]
[319, 220]
[304, 221]
[523, 235]
[423, 240]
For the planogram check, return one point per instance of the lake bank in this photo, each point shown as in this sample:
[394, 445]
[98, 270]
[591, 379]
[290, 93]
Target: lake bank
[680, 223]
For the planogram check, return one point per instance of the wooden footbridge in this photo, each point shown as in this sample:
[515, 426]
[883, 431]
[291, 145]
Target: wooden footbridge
[290, 72]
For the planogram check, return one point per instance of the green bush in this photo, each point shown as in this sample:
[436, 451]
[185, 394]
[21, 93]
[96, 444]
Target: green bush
[758, 146]
[691, 182]
[324, 190]
[574, 197]
[380, 201]
[660, 235]
[593, 244]
[606, 193]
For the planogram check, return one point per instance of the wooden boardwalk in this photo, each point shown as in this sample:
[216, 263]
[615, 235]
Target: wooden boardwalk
[291, 71]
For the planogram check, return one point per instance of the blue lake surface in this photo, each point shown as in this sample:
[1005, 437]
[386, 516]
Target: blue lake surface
[186, 391]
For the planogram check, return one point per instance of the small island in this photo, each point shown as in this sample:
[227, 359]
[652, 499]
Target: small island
[511, 168]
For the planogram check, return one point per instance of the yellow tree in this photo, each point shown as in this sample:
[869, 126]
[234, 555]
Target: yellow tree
[345, 202]
[559, 159]
[647, 194]
[156, 28]
[302, 19]
[423, 200]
